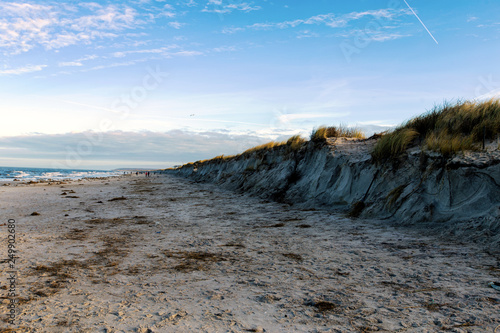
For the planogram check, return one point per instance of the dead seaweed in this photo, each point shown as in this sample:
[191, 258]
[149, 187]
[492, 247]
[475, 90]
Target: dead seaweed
[118, 199]
[322, 305]
[293, 256]
[193, 261]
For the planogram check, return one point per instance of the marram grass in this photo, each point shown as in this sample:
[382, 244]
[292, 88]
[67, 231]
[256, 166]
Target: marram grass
[447, 129]
[320, 134]
[293, 144]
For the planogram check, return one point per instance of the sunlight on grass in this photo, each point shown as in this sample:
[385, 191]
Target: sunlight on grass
[447, 129]
[320, 134]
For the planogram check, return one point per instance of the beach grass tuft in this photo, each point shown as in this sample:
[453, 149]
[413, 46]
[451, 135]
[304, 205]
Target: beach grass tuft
[321, 133]
[447, 129]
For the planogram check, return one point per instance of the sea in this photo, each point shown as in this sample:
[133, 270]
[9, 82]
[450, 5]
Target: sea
[11, 173]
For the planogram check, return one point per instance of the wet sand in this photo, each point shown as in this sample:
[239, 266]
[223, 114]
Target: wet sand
[163, 254]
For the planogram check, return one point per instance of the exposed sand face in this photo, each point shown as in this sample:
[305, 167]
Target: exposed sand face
[175, 256]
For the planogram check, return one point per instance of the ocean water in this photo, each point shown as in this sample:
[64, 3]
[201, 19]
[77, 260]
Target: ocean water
[9, 173]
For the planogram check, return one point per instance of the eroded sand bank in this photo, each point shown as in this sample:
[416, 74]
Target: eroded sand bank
[169, 255]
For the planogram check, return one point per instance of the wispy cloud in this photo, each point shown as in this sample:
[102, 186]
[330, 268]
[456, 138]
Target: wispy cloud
[330, 20]
[386, 20]
[70, 64]
[22, 70]
[307, 34]
[176, 25]
[221, 7]
[111, 17]
[232, 30]
[24, 27]
[374, 35]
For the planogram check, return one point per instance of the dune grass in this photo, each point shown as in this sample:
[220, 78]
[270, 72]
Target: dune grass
[266, 146]
[448, 129]
[321, 133]
[293, 144]
[394, 143]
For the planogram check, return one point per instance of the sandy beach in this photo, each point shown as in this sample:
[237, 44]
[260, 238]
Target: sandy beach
[165, 254]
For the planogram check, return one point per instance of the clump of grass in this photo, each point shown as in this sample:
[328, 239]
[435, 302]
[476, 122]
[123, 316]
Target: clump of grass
[447, 129]
[321, 133]
[265, 146]
[394, 143]
[448, 144]
[295, 142]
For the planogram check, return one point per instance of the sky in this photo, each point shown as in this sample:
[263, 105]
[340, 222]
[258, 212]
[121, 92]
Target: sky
[152, 84]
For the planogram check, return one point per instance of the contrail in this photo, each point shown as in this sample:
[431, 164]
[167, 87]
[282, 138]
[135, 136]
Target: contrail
[421, 21]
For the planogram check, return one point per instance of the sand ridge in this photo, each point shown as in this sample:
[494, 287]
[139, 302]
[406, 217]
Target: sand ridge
[163, 254]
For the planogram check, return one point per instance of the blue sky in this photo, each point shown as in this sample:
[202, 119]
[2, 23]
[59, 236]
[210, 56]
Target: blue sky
[150, 83]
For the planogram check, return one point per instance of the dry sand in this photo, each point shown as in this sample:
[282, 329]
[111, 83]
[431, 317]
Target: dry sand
[175, 256]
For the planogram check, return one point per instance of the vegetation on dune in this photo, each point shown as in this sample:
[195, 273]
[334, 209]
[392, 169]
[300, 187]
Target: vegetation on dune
[293, 144]
[320, 134]
[265, 146]
[393, 143]
[447, 129]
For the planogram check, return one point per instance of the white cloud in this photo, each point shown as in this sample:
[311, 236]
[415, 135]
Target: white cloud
[176, 25]
[108, 18]
[70, 64]
[307, 34]
[24, 27]
[88, 57]
[22, 70]
[160, 50]
[166, 13]
[188, 3]
[90, 5]
[224, 49]
[219, 7]
[373, 35]
[330, 20]
[187, 53]
[231, 30]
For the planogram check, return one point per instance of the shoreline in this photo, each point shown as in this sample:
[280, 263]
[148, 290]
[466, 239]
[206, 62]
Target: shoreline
[51, 181]
[165, 254]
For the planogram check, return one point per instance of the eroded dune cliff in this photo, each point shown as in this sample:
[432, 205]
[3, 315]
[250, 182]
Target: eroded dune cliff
[457, 196]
